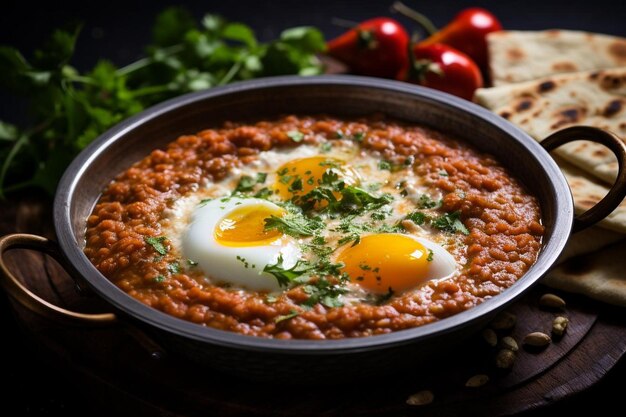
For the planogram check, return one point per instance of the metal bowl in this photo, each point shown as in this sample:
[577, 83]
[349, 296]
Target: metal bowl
[256, 357]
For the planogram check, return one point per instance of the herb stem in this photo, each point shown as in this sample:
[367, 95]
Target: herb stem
[144, 62]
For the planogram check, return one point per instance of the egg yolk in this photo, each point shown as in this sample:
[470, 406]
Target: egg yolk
[300, 176]
[386, 261]
[245, 226]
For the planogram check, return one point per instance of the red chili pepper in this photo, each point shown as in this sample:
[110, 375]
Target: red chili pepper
[376, 47]
[443, 68]
[467, 32]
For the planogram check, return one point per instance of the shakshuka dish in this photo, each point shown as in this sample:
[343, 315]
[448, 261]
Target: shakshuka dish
[314, 227]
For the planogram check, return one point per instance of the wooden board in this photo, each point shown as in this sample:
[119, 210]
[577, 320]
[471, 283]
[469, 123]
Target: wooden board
[111, 365]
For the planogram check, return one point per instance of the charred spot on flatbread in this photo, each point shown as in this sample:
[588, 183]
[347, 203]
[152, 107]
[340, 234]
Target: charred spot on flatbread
[505, 114]
[546, 86]
[568, 116]
[601, 153]
[564, 66]
[611, 82]
[618, 51]
[515, 54]
[524, 104]
[612, 108]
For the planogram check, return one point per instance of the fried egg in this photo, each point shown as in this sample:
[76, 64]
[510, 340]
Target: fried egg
[393, 262]
[228, 240]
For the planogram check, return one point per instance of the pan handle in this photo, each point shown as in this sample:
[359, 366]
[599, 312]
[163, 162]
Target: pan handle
[617, 192]
[16, 289]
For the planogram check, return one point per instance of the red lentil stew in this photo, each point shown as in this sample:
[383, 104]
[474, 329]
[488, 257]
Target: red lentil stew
[347, 227]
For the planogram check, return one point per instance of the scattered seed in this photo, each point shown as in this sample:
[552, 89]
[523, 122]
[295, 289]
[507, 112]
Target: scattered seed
[421, 398]
[477, 381]
[490, 337]
[505, 358]
[552, 301]
[504, 321]
[537, 339]
[509, 343]
[559, 325]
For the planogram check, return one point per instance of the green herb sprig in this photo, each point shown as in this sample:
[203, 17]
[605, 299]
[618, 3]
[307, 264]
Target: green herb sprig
[71, 108]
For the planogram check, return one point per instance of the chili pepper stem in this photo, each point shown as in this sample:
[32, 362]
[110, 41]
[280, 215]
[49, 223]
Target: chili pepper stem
[421, 20]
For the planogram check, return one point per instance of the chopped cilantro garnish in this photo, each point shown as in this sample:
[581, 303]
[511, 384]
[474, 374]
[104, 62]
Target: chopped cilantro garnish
[295, 135]
[157, 243]
[174, 267]
[263, 193]
[296, 185]
[294, 224]
[286, 276]
[417, 217]
[159, 279]
[384, 165]
[426, 202]
[246, 183]
[358, 136]
[450, 222]
[431, 255]
[339, 134]
[204, 201]
[409, 160]
[192, 263]
[292, 314]
[324, 292]
[443, 173]
[261, 177]
[326, 147]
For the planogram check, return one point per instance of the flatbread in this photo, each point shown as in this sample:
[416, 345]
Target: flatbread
[587, 192]
[589, 240]
[541, 107]
[600, 275]
[517, 56]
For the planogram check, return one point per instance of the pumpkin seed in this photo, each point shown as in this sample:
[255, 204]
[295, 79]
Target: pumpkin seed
[490, 337]
[421, 398]
[509, 343]
[552, 301]
[504, 321]
[505, 358]
[559, 325]
[537, 339]
[477, 381]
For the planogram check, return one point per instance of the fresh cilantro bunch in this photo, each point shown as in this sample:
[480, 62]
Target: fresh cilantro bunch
[70, 109]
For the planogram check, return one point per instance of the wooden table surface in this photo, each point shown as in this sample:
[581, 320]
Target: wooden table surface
[45, 381]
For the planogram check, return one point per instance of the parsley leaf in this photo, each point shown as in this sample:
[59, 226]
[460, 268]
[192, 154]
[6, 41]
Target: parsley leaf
[295, 136]
[157, 243]
[450, 222]
[426, 202]
[324, 292]
[286, 276]
[292, 314]
[294, 224]
[174, 267]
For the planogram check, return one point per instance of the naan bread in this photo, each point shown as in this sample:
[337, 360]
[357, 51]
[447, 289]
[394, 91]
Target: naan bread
[587, 192]
[600, 275]
[589, 240]
[517, 56]
[541, 107]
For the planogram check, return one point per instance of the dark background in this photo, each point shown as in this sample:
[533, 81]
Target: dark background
[118, 31]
